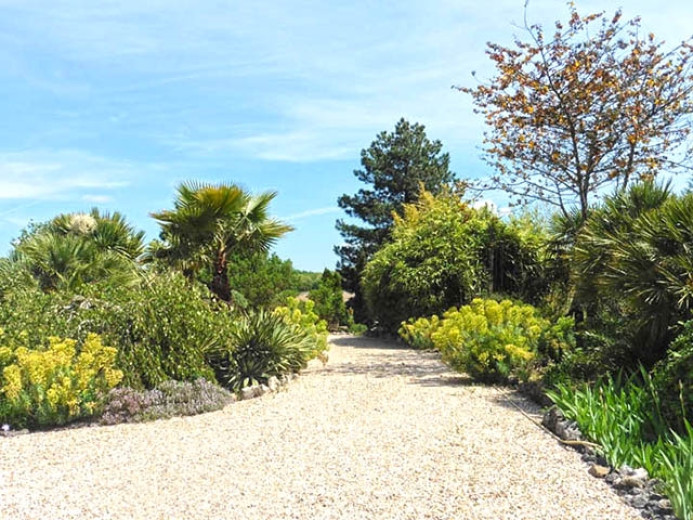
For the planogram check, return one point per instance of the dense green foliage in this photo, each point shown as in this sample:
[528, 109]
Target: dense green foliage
[632, 260]
[265, 281]
[443, 253]
[77, 249]
[394, 168]
[329, 300]
[264, 345]
[79, 276]
[161, 327]
[493, 340]
[673, 380]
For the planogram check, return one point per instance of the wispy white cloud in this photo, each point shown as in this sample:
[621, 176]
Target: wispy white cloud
[46, 175]
[312, 213]
[317, 79]
[97, 199]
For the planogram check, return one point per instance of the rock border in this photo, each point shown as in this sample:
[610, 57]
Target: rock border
[634, 485]
[274, 384]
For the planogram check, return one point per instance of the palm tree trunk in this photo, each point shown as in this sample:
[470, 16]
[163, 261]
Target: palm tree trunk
[220, 281]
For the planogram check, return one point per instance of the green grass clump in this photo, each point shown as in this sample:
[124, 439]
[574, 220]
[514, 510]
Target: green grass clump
[624, 417]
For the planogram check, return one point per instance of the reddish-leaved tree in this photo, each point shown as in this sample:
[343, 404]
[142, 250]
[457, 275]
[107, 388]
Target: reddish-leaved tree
[584, 109]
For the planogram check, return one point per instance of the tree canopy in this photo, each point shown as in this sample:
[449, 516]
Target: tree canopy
[584, 108]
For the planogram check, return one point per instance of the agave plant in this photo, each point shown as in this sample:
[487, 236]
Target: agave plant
[263, 345]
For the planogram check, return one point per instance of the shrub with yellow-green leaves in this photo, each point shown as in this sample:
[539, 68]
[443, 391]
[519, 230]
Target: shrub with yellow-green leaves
[302, 314]
[60, 383]
[493, 340]
[417, 332]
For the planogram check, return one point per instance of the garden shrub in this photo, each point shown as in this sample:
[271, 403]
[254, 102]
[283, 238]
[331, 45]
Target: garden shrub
[632, 260]
[60, 383]
[417, 332]
[161, 328]
[170, 399]
[329, 300]
[492, 340]
[443, 253]
[302, 314]
[263, 346]
[78, 249]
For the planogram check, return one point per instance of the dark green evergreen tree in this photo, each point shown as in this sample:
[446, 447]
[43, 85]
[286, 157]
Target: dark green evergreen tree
[394, 167]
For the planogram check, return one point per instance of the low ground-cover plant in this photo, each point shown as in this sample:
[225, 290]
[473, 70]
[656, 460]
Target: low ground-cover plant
[624, 417]
[492, 340]
[171, 398]
[59, 383]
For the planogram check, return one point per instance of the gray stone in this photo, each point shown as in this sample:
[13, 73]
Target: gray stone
[612, 477]
[638, 501]
[273, 384]
[664, 505]
[250, 392]
[627, 483]
[625, 470]
[571, 434]
[551, 418]
[640, 474]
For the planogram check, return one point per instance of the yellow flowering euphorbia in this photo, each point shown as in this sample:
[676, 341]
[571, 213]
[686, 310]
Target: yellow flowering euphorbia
[53, 386]
[489, 339]
[300, 314]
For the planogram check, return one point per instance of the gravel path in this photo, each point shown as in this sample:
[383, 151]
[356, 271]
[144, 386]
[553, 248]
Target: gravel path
[379, 433]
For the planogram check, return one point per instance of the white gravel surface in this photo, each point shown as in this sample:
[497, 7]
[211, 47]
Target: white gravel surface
[378, 433]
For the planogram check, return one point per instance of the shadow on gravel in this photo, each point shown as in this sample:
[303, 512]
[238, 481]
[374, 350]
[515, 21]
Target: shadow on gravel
[395, 360]
[367, 343]
[515, 400]
[429, 375]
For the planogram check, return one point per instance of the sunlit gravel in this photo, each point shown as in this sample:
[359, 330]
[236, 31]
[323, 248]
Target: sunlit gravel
[378, 433]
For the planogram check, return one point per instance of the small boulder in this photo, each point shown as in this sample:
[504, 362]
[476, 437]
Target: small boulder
[638, 501]
[599, 471]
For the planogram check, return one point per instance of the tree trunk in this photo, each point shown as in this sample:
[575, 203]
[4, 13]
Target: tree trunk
[220, 281]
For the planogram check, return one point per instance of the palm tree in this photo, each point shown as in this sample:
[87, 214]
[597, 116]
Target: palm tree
[635, 251]
[208, 222]
[76, 249]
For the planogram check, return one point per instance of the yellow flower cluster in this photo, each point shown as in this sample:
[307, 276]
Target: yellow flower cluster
[55, 385]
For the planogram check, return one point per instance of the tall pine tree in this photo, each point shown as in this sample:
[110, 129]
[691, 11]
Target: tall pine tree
[393, 167]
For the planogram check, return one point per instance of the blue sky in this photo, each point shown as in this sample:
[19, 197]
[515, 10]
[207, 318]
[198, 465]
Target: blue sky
[113, 103]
